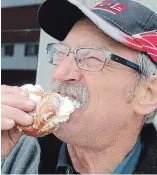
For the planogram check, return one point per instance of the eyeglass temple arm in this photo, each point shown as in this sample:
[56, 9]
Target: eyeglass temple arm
[125, 62]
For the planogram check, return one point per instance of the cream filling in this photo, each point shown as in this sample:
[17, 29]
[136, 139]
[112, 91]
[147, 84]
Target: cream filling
[66, 106]
[31, 89]
[63, 114]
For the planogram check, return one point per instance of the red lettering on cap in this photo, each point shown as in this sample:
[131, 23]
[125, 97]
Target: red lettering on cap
[108, 6]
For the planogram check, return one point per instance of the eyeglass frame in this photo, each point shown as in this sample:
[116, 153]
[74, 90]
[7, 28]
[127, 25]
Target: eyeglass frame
[113, 57]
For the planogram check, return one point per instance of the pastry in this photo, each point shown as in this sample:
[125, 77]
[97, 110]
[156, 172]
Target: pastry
[51, 110]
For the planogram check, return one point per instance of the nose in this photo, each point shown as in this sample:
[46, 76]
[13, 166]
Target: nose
[67, 70]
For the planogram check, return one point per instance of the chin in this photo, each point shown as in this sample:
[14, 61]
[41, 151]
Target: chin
[70, 129]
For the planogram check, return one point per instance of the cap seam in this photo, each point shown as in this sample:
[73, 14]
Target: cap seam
[149, 22]
[145, 21]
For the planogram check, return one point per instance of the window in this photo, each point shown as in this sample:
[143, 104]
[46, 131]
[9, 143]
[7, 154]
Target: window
[31, 49]
[7, 50]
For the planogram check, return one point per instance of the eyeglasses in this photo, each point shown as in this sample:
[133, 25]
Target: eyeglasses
[87, 58]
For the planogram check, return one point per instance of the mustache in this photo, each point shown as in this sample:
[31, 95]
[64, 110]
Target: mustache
[78, 92]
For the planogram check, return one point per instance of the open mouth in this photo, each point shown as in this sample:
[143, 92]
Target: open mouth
[79, 102]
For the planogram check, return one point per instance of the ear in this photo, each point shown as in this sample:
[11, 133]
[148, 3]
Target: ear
[146, 97]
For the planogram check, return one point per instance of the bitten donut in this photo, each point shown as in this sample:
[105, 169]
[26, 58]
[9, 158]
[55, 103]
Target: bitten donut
[51, 110]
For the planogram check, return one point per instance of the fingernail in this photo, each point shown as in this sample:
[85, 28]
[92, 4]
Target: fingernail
[11, 122]
[24, 93]
[31, 103]
[29, 119]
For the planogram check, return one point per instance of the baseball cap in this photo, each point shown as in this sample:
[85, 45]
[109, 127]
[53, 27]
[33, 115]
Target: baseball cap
[126, 21]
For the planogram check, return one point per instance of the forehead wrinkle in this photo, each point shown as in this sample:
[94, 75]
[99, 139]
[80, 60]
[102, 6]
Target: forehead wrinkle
[92, 31]
[93, 38]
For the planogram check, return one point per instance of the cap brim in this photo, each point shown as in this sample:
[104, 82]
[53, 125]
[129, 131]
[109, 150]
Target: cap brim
[57, 17]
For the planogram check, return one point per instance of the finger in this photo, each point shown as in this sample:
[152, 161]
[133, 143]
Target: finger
[13, 90]
[19, 102]
[7, 124]
[20, 117]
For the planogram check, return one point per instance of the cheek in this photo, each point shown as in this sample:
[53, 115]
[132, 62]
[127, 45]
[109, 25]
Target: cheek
[109, 98]
[104, 93]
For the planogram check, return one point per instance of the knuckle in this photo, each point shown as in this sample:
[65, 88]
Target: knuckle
[16, 89]
[3, 86]
[6, 99]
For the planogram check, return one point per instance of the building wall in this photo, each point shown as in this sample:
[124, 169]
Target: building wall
[18, 77]
[19, 61]
[19, 27]
[44, 71]
[19, 24]
[10, 3]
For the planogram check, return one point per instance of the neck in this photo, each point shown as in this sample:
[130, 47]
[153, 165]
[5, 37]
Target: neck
[87, 161]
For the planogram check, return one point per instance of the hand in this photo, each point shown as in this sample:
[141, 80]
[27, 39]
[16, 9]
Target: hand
[15, 106]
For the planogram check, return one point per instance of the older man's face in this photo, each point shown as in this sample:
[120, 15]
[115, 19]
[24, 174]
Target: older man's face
[109, 113]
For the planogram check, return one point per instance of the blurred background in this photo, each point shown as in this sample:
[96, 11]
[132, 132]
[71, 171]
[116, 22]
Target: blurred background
[23, 44]
[20, 41]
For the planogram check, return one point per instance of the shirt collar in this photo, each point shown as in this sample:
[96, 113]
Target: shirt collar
[128, 166]
[64, 165]
[129, 163]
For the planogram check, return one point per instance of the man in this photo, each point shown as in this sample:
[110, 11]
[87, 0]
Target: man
[107, 60]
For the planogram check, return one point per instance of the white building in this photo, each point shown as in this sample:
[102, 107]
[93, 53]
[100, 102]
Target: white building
[20, 41]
